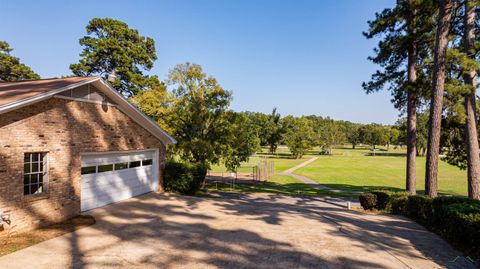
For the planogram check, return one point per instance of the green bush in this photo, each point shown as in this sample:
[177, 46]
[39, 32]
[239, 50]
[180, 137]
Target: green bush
[184, 178]
[457, 219]
[382, 199]
[440, 205]
[419, 208]
[368, 200]
[397, 203]
[462, 226]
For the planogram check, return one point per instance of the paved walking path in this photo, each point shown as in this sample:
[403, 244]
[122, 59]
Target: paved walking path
[310, 181]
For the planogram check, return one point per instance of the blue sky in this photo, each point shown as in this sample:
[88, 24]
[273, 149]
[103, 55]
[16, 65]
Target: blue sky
[303, 57]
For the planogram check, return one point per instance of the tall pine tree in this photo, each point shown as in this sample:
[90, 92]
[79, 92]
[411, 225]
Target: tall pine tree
[11, 69]
[406, 39]
[438, 87]
[470, 77]
[112, 47]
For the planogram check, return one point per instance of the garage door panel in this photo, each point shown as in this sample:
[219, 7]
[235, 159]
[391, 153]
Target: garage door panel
[117, 158]
[100, 199]
[113, 190]
[102, 188]
[117, 178]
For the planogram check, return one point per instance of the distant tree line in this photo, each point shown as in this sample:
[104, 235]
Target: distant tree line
[301, 134]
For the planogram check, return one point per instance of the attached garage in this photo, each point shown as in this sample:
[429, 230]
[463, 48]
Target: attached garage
[68, 145]
[112, 177]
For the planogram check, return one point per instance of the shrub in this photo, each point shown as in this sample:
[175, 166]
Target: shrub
[440, 205]
[368, 200]
[184, 178]
[462, 226]
[419, 208]
[397, 203]
[382, 199]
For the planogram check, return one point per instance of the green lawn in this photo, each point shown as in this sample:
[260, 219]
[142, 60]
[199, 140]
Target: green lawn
[282, 162]
[355, 170]
[278, 184]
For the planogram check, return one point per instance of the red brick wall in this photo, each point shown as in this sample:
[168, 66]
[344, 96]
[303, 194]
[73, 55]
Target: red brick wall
[64, 129]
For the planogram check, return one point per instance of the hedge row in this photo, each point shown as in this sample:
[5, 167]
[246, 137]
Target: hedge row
[457, 219]
[184, 178]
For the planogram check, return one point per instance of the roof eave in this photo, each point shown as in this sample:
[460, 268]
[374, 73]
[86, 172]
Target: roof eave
[35, 99]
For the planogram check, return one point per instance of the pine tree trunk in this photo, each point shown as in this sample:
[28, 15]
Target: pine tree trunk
[473, 157]
[411, 142]
[436, 105]
[411, 184]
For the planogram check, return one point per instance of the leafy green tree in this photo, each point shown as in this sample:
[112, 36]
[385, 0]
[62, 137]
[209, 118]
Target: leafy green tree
[375, 134]
[299, 135]
[393, 136]
[353, 135]
[330, 134]
[11, 69]
[243, 141]
[262, 126]
[422, 132]
[198, 114]
[274, 130]
[111, 47]
[156, 103]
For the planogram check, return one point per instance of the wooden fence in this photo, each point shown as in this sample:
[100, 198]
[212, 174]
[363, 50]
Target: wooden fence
[264, 170]
[260, 172]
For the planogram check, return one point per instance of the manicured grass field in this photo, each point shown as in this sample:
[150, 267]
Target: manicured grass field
[278, 184]
[355, 170]
[282, 162]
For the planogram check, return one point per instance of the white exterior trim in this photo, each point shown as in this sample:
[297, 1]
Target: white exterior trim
[117, 151]
[41, 97]
[134, 113]
[121, 103]
[84, 100]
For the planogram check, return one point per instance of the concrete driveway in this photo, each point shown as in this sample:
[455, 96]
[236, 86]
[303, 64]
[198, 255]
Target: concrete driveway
[239, 231]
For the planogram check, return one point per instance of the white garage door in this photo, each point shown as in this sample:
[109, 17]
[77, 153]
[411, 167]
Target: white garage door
[112, 177]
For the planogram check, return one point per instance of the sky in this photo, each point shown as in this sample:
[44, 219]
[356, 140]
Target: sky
[302, 56]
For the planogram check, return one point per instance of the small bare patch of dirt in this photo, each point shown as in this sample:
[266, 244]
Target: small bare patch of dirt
[11, 242]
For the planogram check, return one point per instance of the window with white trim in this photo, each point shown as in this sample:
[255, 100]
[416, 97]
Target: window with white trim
[35, 173]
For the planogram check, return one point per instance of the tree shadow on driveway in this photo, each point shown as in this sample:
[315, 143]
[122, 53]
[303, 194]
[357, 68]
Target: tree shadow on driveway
[236, 231]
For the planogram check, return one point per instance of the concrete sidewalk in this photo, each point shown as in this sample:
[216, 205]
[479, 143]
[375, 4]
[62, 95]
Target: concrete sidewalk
[310, 181]
[239, 231]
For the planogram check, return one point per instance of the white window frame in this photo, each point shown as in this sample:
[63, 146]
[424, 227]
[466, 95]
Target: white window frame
[44, 172]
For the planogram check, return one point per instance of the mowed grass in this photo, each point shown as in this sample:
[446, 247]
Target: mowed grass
[278, 184]
[282, 161]
[350, 169]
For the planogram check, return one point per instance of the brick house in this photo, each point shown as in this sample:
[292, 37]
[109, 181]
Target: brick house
[69, 145]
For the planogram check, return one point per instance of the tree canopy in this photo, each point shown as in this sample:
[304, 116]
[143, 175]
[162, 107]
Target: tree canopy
[11, 69]
[112, 47]
[197, 114]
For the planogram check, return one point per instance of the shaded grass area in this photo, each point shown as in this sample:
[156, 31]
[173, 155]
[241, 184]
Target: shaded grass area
[15, 241]
[278, 184]
[356, 170]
